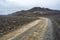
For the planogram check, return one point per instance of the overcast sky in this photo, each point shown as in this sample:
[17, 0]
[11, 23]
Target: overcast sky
[10, 6]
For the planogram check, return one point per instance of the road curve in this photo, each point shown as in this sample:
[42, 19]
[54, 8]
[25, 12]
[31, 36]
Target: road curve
[48, 34]
[44, 30]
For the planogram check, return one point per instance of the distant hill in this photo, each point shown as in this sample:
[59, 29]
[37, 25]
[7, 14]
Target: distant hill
[36, 11]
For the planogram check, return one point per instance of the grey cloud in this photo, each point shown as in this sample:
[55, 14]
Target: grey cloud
[9, 6]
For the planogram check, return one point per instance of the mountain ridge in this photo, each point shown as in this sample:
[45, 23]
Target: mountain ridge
[35, 11]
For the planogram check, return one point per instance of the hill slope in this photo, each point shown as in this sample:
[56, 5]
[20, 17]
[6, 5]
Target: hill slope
[13, 21]
[36, 11]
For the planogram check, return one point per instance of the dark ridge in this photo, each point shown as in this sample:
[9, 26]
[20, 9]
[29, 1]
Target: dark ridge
[36, 11]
